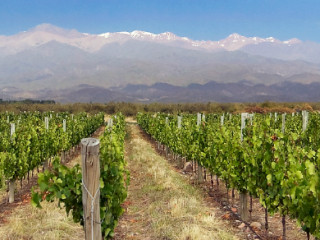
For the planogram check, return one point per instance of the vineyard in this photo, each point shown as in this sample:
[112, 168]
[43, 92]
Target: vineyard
[29, 140]
[65, 184]
[271, 157]
[32, 140]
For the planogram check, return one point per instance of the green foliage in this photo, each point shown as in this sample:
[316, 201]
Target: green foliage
[281, 168]
[114, 176]
[131, 109]
[32, 143]
[65, 184]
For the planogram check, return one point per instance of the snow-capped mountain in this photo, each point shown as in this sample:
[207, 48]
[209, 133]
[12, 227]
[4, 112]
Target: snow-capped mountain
[236, 41]
[49, 57]
[142, 35]
[231, 43]
[45, 33]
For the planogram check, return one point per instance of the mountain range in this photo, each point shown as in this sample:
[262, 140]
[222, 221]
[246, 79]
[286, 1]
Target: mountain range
[48, 61]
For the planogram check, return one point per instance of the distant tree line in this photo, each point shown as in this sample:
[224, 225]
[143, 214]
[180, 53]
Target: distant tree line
[27, 101]
[131, 109]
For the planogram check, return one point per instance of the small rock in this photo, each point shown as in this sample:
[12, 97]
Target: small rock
[211, 193]
[192, 178]
[242, 225]
[226, 216]
[187, 167]
[256, 225]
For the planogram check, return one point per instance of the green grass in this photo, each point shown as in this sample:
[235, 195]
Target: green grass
[50, 222]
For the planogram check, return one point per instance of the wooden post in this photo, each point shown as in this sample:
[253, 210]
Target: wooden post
[243, 194]
[11, 191]
[63, 157]
[179, 121]
[244, 206]
[305, 116]
[12, 182]
[64, 128]
[46, 125]
[181, 162]
[91, 188]
[266, 219]
[200, 171]
[45, 164]
[64, 125]
[283, 122]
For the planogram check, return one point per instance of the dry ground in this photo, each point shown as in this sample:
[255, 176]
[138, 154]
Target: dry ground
[161, 204]
[23, 221]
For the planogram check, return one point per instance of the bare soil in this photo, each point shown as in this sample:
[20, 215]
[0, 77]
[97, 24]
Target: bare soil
[150, 214]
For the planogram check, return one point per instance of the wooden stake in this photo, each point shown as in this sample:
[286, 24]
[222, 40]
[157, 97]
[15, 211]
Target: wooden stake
[284, 227]
[250, 210]
[11, 191]
[266, 219]
[233, 195]
[12, 182]
[91, 188]
[227, 192]
[46, 164]
[244, 206]
[200, 174]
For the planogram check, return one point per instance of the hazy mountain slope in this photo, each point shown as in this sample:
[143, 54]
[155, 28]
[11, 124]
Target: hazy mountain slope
[50, 61]
[57, 65]
[306, 51]
[242, 91]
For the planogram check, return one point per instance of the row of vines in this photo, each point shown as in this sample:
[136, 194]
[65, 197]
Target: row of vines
[29, 139]
[275, 158]
[65, 184]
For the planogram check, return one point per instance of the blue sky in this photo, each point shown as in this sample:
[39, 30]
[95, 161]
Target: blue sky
[196, 19]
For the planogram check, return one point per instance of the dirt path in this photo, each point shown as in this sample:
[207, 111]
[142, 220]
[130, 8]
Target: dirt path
[161, 203]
